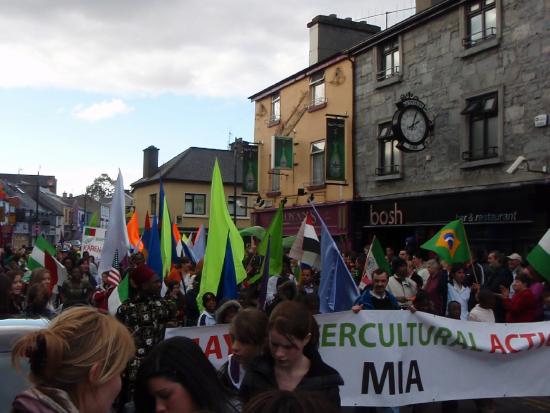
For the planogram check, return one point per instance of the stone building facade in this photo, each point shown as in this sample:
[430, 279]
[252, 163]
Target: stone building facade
[482, 69]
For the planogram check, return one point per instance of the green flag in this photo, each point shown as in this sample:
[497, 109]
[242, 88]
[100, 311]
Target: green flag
[376, 259]
[275, 232]
[41, 247]
[219, 224]
[450, 243]
[539, 257]
[94, 220]
[165, 240]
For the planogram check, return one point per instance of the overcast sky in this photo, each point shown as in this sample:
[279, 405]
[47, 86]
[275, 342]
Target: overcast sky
[85, 85]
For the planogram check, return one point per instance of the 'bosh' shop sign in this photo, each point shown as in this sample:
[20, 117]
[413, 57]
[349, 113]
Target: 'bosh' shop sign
[386, 216]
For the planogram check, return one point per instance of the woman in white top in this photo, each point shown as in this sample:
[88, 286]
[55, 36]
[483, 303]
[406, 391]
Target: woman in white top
[457, 291]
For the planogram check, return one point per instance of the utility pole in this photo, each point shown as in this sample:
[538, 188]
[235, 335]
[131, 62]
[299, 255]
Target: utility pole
[37, 219]
[237, 147]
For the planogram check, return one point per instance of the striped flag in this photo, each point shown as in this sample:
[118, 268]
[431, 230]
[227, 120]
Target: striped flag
[306, 247]
[375, 260]
[114, 273]
[43, 255]
[539, 257]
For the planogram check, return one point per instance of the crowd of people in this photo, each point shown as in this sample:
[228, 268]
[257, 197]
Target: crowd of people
[275, 365]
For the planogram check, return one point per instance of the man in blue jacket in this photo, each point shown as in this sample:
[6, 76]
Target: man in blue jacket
[375, 296]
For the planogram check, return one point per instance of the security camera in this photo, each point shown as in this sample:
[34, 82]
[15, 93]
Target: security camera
[513, 168]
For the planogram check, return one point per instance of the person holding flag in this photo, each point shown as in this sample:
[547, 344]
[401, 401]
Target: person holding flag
[146, 315]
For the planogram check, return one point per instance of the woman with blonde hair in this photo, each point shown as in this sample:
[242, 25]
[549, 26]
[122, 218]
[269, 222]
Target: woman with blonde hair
[75, 363]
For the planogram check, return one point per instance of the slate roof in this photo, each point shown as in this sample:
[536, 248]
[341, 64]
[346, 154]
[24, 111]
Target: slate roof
[195, 165]
[46, 181]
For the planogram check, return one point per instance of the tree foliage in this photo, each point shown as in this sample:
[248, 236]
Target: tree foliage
[102, 187]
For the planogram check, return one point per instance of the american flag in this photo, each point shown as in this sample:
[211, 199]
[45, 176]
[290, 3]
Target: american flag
[114, 273]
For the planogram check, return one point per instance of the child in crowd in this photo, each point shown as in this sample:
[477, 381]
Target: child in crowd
[208, 317]
[483, 311]
[453, 310]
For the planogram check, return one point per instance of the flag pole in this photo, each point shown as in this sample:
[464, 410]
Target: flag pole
[469, 252]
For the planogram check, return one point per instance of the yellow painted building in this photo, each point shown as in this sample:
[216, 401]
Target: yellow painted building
[186, 180]
[311, 112]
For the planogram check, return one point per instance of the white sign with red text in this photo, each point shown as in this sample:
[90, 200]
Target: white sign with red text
[92, 241]
[395, 358]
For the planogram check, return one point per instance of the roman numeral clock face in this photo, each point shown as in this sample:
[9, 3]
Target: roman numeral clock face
[413, 125]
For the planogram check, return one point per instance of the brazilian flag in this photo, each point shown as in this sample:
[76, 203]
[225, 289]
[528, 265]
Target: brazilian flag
[450, 243]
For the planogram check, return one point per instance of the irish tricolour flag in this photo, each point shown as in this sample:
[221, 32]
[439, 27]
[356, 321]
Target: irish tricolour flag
[43, 255]
[539, 257]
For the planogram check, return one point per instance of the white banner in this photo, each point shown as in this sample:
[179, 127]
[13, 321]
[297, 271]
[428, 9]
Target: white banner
[92, 241]
[215, 341]
[395, 358]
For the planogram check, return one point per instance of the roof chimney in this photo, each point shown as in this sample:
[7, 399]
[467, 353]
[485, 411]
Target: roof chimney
[329, 35]
[150, 161]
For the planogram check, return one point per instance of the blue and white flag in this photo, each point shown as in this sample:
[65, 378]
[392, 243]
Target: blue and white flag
[337, 290]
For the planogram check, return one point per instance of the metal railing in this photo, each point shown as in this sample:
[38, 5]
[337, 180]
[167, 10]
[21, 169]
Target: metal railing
[387, 170]
[479, 37]
[487, 153]
[317, 102]
[388, 72]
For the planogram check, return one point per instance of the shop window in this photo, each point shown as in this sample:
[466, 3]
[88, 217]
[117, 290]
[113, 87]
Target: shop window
[275, 109]
[389, 60]
[317, 90]
[482, 119]
[195, 204]
[242, 206]
[388, 154]
[317, 163]
[153, 204]
[481, 22]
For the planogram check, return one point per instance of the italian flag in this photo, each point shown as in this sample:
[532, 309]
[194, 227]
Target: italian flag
[539, 257]
[43, 256]
[119, 295]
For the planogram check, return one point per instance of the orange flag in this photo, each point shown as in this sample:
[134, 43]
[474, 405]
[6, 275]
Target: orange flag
[133, 233]
[176, 232]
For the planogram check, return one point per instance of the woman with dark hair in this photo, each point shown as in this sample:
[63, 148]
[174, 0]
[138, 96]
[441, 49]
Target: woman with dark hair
[17, 295]
[176, 377]
[279, 401]
[293, 361]
[38, 298]
[521, 308]
[537, 288]
[6, 305]
[457, 291]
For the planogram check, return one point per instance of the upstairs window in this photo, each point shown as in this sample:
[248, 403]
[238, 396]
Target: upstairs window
[318, 163]
[389, 60]
[482, 113]
[275, 108]
[153, 204]
[317, 89]
[388, 154]
[481, 21]
[195, 204]
[241, 206]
